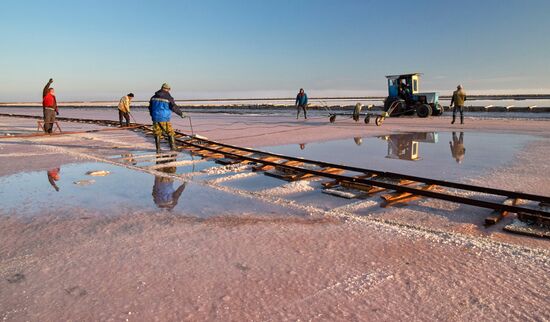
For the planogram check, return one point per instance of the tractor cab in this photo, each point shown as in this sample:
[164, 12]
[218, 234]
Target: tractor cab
[404, 97]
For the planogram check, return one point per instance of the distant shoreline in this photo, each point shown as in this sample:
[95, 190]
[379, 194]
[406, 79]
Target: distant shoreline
[271, 107]
[516, 97]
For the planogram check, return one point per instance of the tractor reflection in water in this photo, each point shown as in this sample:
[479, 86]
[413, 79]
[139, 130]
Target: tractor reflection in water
[164, 194]
[405, 146]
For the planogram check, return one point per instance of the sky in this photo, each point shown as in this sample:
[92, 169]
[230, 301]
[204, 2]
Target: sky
[101, 50]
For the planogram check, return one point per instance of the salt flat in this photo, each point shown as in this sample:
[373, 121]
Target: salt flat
[224, 253]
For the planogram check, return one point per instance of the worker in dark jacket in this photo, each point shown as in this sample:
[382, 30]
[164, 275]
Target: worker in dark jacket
[49, 105]
[161, 106]
[301, 103]
[459, 97]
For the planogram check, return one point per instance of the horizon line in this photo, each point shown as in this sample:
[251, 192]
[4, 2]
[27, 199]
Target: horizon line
[474, 96]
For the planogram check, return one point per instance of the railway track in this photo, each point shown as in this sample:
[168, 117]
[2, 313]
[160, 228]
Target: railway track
[393, 188]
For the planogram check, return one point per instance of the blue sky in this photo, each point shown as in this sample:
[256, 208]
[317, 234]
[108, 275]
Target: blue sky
[99, 50]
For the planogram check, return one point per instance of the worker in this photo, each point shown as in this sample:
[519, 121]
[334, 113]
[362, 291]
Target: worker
[164, 194]
[124, 108]
[457, 147]
[53, 176]
[301, 103]
[49, 105]
[458, 99]
[161, 106]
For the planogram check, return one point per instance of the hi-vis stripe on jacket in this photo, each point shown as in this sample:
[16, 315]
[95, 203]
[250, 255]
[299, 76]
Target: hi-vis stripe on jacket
[161, 106]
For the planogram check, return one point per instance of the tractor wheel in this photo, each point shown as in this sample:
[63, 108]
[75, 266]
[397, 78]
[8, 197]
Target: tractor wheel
[438, 110]
[424, 110]
[355, 117]
[398, 109]
[367, 119]
[332, 118]
[379, 120]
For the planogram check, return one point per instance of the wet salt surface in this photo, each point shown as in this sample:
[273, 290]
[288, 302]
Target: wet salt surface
[31, 194]
[428, 154]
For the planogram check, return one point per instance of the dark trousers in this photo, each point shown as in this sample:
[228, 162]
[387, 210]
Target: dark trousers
[125, 115]
[49, 118]
[303, 107]
[461, 109]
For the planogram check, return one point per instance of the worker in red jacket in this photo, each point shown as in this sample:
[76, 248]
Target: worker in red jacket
[49, 104]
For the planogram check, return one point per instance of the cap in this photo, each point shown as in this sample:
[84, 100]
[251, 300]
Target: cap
[131, 95]
[459, 87]
[165, 86]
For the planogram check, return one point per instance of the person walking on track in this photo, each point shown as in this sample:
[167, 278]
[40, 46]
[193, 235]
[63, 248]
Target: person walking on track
[301, 103]
[49, 105]
[161, 106]
[124, 108]
[459, 97]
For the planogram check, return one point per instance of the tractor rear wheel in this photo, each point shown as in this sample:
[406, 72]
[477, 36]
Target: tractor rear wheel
[424, 110]
[332, 118]
[379, 120]
[399, 108]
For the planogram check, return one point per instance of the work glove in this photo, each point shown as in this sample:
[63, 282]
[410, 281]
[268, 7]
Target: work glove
[182, 115]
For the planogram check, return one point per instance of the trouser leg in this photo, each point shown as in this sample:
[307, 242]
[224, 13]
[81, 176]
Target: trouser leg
[461, 108]
[127, 117]
[305, 112]
[49, 118]
[297, 111]
[120, 115]
[157, 143]
[454, 114]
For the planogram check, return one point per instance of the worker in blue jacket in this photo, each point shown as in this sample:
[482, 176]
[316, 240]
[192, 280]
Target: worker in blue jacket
[161, 106]
[301, 102]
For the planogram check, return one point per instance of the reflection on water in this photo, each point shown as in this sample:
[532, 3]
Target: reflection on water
[164, 194]
[457, 147]
[429, 151]
[405, 146]
[53, 176]
[122, 191]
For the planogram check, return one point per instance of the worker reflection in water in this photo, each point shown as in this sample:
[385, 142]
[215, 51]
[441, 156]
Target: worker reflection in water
[302, 146]
[164, 194]
[457, 147]
[53, 176]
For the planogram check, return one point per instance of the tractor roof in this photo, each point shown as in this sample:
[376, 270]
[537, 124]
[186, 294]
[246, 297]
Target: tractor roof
[402, 75]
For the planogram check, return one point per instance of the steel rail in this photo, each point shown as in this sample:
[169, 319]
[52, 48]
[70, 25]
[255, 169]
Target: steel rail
[386, 185]
[448, 184]
[539, 213]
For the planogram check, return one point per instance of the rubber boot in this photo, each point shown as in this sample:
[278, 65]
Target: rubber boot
[453, 121]
[157, 143]
[461, 119]
[172, 141]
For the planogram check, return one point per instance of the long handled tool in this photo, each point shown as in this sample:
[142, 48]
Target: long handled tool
[191, 125]
[133, 118]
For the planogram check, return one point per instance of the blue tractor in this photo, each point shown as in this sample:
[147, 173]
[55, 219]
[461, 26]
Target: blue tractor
[404, 97]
